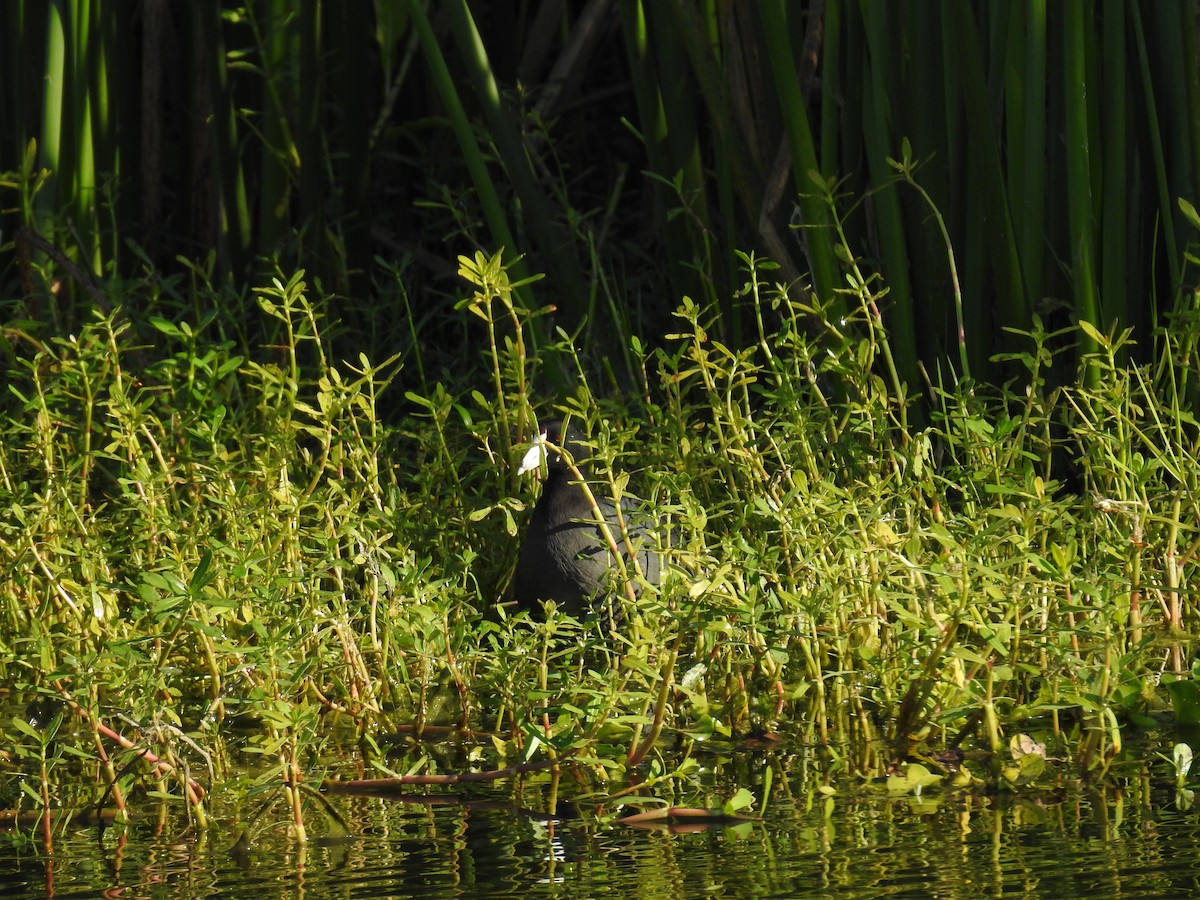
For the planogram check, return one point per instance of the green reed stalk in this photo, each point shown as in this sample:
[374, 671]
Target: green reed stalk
[1120, 304]
[50, 144]
[1077, 19]
[658, 47]
[1025, 93]
[472, 155]
[279, 160]
[878, 118]
[1155, 135]
[85, 183]
[818, 238]
[988, 219]
[541, 218]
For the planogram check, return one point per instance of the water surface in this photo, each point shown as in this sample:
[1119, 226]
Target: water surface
[1132, 839]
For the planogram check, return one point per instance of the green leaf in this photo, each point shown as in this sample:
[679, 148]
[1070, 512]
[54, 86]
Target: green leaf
[1189, 213]
[1182, 757]
[1185, 697]
[1091, 331]
[739, 801]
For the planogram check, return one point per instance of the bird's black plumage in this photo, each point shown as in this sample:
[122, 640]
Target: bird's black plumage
[565, 556]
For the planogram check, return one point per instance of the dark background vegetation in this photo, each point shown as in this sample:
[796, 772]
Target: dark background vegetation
[626, 149]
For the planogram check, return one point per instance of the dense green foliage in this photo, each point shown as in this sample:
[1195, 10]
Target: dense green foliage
[290, 501]
[226, 532]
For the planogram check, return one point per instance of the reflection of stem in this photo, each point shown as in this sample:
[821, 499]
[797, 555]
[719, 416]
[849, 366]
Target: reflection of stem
[384, 785]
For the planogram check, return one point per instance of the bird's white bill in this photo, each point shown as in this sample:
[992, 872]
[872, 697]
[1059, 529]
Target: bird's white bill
[534, 457]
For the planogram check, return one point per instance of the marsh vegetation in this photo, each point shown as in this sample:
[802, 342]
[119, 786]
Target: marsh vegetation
[927, 454]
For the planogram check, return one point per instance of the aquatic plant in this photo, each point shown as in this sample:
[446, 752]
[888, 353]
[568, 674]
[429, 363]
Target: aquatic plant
[224, 553]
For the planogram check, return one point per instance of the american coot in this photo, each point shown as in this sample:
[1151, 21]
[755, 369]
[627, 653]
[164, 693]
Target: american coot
[566, 557]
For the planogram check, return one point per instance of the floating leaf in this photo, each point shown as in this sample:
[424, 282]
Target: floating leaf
[1028, 767]
[914, 780]
[739, 801]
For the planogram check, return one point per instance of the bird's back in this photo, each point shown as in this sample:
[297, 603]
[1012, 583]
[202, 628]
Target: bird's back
[565, 557]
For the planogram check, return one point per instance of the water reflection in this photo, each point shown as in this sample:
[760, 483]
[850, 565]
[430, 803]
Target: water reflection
[1129, 841]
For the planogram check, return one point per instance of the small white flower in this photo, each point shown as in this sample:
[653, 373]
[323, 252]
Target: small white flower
[534, 456]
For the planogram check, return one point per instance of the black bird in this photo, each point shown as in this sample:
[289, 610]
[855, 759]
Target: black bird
[566, 557]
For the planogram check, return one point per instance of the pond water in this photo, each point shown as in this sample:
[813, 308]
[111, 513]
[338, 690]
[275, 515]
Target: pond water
[1131, 838]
